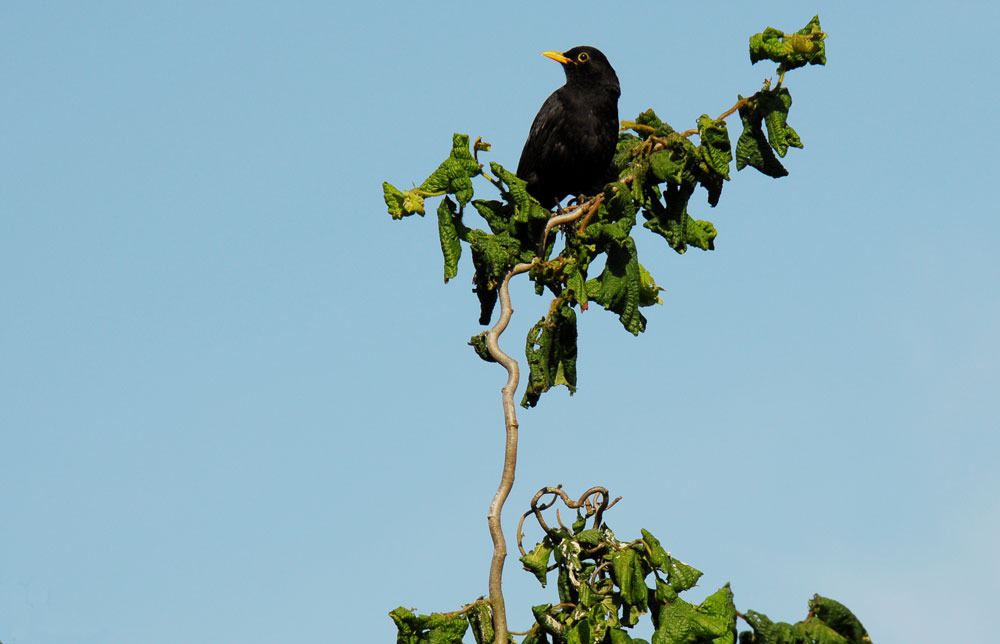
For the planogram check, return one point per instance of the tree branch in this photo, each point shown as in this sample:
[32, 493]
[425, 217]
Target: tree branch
[509, 459]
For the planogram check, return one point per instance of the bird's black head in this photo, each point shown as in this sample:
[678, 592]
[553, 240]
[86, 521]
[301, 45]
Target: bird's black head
[586, 67]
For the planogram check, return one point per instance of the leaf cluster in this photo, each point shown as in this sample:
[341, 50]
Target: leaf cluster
[804, 47]
[655, 172]
[605, 586]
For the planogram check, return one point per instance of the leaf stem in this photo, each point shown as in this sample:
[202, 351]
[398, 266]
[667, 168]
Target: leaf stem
[464, 609]
[732, 110]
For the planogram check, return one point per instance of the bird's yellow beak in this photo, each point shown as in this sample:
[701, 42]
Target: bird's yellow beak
[556, 56]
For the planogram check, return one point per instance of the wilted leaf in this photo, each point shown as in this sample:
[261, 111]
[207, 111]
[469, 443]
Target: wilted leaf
[752, 148]
[451, 248]
[774, 106]
[839, 618]
[551, 353]
[537, 561]
[806, 46]
[716, 150]
[618, 287]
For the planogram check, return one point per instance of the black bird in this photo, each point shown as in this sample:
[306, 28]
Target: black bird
[573, 137]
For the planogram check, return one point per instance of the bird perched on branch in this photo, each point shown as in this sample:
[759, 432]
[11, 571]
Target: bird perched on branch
[573, 137]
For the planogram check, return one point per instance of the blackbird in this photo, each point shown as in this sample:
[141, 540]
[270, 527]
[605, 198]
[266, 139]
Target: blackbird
[573, 137]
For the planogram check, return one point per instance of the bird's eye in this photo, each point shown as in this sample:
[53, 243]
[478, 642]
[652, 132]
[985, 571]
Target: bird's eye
[583, 57]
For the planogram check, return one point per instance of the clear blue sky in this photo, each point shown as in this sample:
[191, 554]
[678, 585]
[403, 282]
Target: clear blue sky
[236, 402]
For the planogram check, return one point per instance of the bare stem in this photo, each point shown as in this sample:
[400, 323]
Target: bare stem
[722, 117]
[564, 218]
[509, 460]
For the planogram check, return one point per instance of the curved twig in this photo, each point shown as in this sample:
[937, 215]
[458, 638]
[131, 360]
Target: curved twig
[559, 521]
[465, 609]
[520, 533]
[722, 117]
[509, 459]
[591, 508]
[595, 206]
[565, 218]
[597, 570]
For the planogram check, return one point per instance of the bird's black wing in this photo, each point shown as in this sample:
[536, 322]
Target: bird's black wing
[546, 144]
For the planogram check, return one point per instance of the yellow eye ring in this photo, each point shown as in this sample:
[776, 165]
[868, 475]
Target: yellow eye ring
[583, 57]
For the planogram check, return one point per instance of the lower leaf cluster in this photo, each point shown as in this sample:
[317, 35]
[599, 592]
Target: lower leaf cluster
[605, 586]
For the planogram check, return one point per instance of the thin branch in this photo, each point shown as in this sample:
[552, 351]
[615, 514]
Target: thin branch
[465, 609]
[563, 218]
[595, 205]
[559, 521]
[520, 533]
[591, 508]
[732, 110]
[509, 459]
[597, 570]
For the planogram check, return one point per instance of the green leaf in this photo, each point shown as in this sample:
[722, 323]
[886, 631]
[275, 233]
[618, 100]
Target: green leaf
[579, 633]
[451, 248]
[764, 631]
[432, 629]
[715, 149]
[547, 621]
[480, 618]
[493, 255]
[649, 124]
[517, 188]
[839, 618]
[768, 45]
[496, 213]
[618, 287]
[678, 624]
[664, 593]
[714, 621]
[806, 46]
[486, 291]
[537, 561]
[627, 147]
[719, 608]
[682, 576]
[527, 218]
[618, 636]
[413, 202]
[396, 201]
[752, 148]
[589, 538]
[668, 164]
[774, 106]
[648, 290]
[535, 636]
[446, 629]
[478, 344]
[454, 175]
[576, 285]
[657, 555]
[829, 622]
[629, 575]
[674, 223]
[810, 45]
[567, 554]
[815, 630]
[551, 353]
[408, 626]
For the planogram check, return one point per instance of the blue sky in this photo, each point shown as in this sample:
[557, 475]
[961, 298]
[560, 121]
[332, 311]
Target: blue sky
[235, 397]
